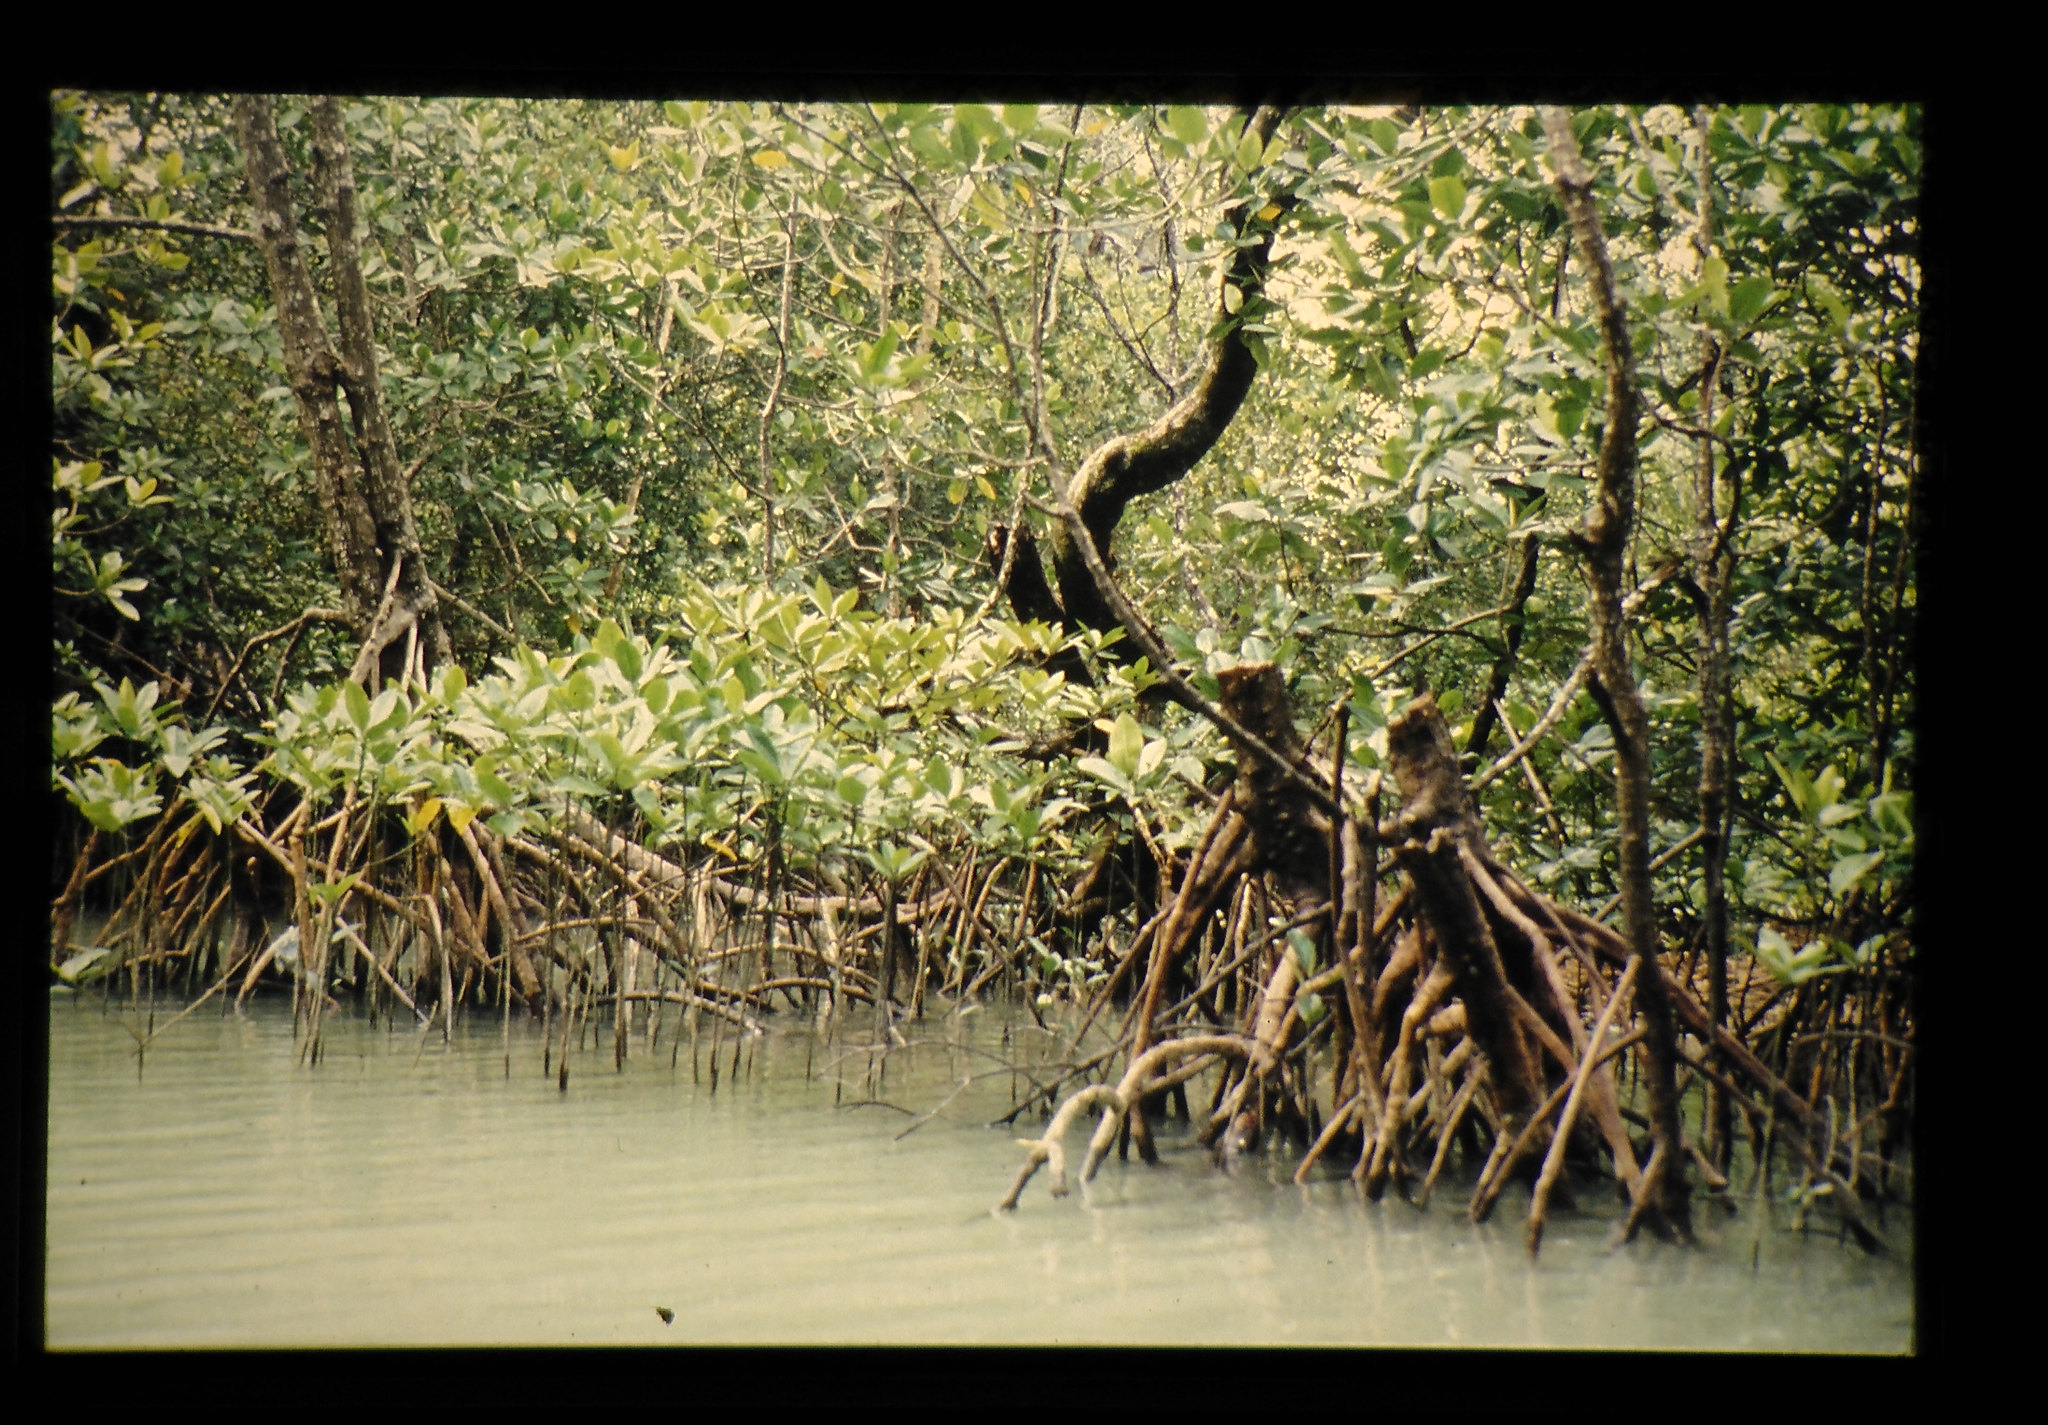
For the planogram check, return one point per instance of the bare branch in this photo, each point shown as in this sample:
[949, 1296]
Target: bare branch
[166, 225]
[309, 616]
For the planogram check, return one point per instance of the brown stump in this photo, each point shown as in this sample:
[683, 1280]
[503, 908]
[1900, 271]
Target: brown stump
[1438, 817]
[1290, 838]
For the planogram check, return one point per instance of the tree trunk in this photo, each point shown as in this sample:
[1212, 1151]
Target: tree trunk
[1713, 568]
[385, 484]
[1127, 466]
[1288, 843]
[310, 365]
[365, 505]
[1712, 562]
[1438, 816]
[1604, 544]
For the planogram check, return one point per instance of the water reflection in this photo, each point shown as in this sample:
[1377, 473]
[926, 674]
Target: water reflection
[411, 1193]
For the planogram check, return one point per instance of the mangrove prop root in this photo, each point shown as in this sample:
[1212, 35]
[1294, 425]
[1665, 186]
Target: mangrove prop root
[1050, 1148]
[1553, 1161]
[1452, 1118]
[1378, 1156]
[1424, 763]
[1454, 994]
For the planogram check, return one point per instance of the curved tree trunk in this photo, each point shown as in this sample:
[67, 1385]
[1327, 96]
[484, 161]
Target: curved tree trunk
[1127, 466]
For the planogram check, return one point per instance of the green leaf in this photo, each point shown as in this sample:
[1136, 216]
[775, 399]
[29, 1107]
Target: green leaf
[1831, 301]
[1750, 298]
[357, 704]
[649, 801]
[1304, 948]
[1827, 788]
[1492, 510]
[1796, 786]
[1106, 772]
[1149, 759]
[1892, 812]
[1126, 742]
[1851, 869]
[386, 712]
[1447, 196]
[326, 893]
[875, 359]
[1249, 150]
[1793, 969]
[1714, 283]
[893, 861]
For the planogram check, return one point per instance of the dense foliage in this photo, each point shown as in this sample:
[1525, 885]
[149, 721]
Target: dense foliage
[578, 316]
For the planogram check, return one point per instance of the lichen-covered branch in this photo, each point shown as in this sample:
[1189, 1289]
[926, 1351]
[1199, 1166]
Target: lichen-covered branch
[1127, 466]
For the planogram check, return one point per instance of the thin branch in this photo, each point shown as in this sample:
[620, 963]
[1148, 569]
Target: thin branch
[472, 610]
[775, 394]
[1388, 663]
[1571, 686]
[167, 225]
[309, 616]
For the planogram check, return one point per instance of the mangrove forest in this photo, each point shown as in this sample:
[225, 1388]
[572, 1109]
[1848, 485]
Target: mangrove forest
[1380, 638]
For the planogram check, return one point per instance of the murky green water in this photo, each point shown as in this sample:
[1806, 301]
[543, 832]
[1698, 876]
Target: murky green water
[408, 1193]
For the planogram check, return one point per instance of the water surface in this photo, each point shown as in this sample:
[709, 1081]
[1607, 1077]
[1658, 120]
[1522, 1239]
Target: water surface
[407, 1192]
